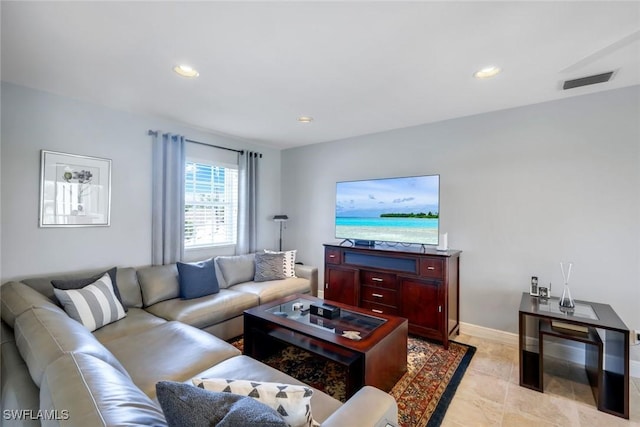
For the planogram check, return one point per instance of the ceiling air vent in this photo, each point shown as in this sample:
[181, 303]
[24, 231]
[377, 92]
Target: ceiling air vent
[585, 81]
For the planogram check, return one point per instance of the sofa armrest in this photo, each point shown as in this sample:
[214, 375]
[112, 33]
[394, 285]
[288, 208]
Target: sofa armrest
[369, 407]
[311, 273]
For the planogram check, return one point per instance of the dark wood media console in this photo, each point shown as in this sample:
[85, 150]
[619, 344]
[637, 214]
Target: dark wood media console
[419, 284]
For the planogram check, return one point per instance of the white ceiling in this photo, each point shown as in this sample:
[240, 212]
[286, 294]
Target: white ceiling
[356, 67]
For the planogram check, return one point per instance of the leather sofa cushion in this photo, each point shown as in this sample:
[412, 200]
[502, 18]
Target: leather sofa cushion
[94, 393]
[274, 289]
[18, 298]
[43, 335]
[158, 283]
[18, 390]
[369, 406]
[129, 288]
[137, 320]
[235, 269]
[205, 311]
[246, 368]
[172, 351]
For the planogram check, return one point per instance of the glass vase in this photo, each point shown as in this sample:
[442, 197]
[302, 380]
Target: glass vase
[566, 302]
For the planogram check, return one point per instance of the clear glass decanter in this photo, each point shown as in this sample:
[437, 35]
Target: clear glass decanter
[566, 302]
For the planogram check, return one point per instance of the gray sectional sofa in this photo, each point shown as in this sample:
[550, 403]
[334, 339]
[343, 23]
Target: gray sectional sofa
[55, 372]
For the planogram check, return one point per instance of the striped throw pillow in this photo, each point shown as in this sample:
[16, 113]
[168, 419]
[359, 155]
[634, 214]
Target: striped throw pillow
[94, 306]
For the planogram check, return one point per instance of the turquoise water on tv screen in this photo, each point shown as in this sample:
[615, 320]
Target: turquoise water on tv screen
[407, 230]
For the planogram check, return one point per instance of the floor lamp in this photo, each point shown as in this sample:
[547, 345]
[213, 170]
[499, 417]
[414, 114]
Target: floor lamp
[281, 219]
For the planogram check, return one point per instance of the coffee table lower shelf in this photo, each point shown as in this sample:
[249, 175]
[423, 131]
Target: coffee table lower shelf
[264, 344]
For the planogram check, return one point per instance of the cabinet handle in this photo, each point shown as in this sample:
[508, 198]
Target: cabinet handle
[431, 268]
[376, 311]
[326, 286]
[332, 256]
[376, 279]
[377, 295]
[439, 309]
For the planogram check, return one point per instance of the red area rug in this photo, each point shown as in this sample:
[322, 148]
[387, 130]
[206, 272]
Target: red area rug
[423, 393]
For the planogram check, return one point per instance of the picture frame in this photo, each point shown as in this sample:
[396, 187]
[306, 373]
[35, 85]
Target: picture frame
[75, 190]
[533, 288]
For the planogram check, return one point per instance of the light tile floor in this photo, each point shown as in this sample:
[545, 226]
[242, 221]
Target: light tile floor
[489, 394]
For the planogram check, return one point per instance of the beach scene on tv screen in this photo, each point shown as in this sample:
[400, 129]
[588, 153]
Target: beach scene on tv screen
[391, 210]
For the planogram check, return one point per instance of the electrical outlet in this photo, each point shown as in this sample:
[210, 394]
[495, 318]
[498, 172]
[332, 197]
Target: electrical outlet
[635, 336]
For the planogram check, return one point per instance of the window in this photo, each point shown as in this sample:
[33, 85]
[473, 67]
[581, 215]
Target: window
[211, 204]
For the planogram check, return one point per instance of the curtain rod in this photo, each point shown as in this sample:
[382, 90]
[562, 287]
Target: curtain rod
[154, 133]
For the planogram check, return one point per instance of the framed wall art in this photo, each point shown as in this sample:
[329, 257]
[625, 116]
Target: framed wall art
[75, 191]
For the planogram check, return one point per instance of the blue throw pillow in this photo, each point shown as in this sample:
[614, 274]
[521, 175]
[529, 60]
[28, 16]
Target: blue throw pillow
[197, 279]
[185, 406]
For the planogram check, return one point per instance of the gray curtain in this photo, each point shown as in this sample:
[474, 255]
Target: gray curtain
[167, 218]
[248, 163]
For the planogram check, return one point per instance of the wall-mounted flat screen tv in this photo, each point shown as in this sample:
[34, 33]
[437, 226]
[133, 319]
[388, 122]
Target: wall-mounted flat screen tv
[404, 210]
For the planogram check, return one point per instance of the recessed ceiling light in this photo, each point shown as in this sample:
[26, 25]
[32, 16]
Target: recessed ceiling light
[305, 119]
[186, 71]
[487, 72]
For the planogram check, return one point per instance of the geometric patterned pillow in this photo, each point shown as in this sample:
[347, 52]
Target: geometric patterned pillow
[186, 405]
[269, 267]
[289, 261]
[292, 402]
[94, 306]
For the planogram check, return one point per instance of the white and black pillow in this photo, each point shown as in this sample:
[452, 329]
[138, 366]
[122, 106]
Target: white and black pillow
[292, 402]
[289, 263]
[94, 306]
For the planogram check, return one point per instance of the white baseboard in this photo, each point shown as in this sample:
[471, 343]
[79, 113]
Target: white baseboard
[554, 349]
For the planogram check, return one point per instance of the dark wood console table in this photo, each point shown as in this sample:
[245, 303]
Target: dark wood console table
[606, 341]
[420, 284]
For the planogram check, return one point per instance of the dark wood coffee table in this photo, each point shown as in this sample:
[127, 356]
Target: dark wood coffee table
[378, 359]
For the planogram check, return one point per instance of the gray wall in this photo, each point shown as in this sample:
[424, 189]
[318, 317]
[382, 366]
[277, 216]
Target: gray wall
[521, 190]
[34, 120]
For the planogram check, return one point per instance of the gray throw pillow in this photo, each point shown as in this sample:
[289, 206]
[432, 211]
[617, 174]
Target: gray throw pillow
[236, 269]
[185, 406]
[269, 266]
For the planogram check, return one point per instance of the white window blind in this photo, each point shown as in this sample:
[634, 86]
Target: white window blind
[211, 204]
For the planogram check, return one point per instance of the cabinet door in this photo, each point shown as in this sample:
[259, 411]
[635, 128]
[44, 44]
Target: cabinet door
[340, 285]
[422, 305]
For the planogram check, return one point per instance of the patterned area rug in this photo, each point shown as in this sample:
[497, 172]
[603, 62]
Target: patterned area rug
[423, 393]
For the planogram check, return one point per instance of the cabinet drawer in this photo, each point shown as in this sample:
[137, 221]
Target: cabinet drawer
[332, 256]
[379, 295]
[374, 278]
[379, 308]
[432, 267]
